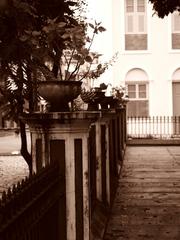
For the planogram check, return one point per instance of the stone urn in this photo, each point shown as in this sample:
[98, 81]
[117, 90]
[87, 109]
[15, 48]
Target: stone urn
[93, 98]
[59, 93]
[109, 102]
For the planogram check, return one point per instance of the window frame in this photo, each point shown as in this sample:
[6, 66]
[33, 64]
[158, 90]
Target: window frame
[135, 21]
[137, 98]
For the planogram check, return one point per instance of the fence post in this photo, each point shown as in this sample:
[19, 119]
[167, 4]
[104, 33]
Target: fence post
[98, 161]
[102, 159]
[66, 136]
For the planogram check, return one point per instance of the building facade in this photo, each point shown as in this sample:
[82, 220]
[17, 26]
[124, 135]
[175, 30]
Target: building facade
[149, 55]
[149, 58]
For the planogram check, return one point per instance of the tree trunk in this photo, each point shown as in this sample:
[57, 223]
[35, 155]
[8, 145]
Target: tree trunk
[56, 68]
[56, 64]
[24, 150]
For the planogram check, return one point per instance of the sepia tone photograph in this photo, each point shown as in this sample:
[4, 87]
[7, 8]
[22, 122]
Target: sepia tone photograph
[89, 119]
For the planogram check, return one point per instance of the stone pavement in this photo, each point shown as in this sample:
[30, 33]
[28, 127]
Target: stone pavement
[12, 170]
[147, 203]
[11, 142]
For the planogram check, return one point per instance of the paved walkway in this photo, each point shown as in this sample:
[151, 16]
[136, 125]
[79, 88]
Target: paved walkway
[12, 170]
[10, 142]
[147, 204]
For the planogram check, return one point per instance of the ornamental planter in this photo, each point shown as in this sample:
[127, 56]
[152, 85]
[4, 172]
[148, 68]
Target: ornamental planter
[93, 98]
[109, 102]
[59, 93]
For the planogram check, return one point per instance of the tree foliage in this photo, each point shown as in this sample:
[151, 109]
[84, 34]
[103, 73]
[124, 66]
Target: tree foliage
[164, 7]
[23, 44]
[37, 39]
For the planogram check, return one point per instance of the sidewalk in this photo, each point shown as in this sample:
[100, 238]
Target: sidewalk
[10, 143]
[147, 204]
[13, 168]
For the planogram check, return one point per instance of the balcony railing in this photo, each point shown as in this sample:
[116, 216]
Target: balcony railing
[156, 127]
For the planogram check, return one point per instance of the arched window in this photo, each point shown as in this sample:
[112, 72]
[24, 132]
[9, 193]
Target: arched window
[176, 92]
[137, 86]
[176, 75]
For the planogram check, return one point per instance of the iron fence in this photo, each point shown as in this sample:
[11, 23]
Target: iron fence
[35, 208]
[155, 127]
[30, 209]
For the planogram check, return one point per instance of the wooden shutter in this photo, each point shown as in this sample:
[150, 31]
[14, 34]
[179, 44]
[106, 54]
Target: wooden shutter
[138, 108]
[141, 16]
[141, 23]
[129, 15]
[176, 22]
[130, 24]
[135, 16]
[140, 5]
[130, 6]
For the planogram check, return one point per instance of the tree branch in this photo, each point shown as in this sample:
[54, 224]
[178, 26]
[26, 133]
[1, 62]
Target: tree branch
[76, 69]
[68, 66]
[90, 65]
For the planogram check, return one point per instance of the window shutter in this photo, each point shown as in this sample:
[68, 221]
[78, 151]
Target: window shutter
[176, 22]
[141, 23]
[138, 108]
[129, 6]
[129, 24]
[140, 5]
[132, 109]
[135, 12]
[143, 108]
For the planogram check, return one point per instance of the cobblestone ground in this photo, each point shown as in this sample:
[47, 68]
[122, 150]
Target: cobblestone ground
[147, 203]
[12, 170]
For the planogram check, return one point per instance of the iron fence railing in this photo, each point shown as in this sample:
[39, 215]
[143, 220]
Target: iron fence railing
[38, 207]
[27, 210]
[160, 127]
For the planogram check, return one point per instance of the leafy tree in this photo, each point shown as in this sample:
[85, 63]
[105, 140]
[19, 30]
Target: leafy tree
[38, 38]
[164, 7]
[22, 41]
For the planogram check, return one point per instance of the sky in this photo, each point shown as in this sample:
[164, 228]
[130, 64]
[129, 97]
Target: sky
[100, 10]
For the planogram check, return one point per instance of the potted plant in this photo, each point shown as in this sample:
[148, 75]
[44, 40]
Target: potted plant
[95, 95]
[116, 98]
[62, 73]
[119, 95]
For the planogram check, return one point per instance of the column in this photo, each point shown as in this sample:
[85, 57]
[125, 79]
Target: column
[98, 162]
[64, 138]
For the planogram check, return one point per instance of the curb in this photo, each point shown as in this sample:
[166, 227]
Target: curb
[9, 155]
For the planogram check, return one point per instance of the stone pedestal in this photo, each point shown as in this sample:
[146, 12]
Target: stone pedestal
[63, 138]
